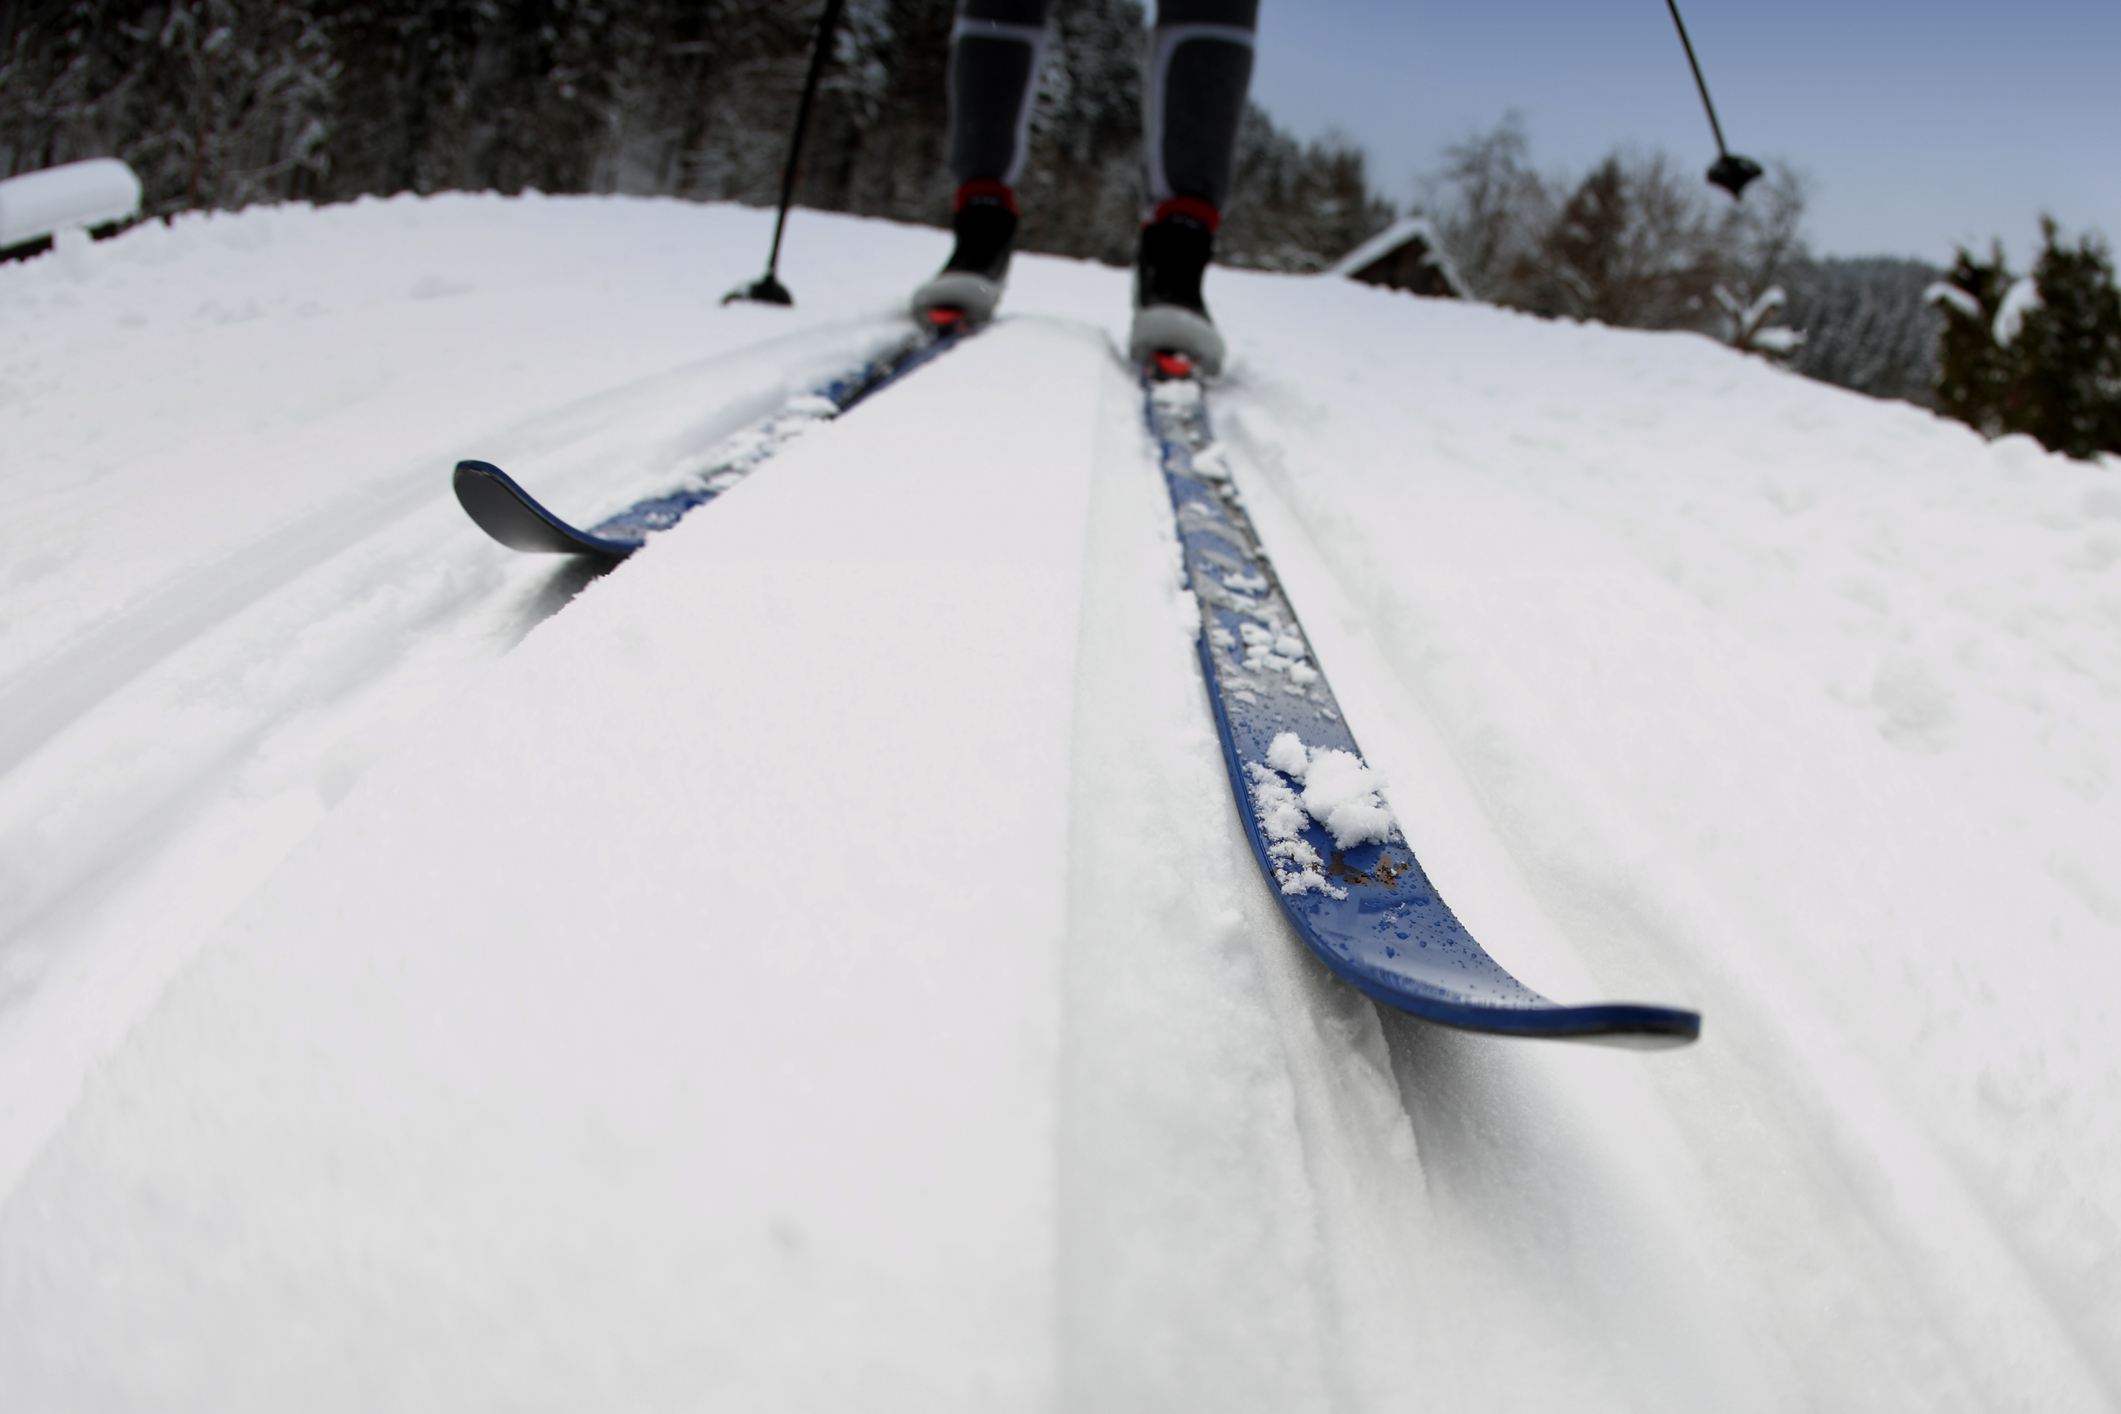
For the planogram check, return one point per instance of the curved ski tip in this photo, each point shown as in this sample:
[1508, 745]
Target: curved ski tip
[1627, 1028]
[1667, 1030]
[513, 516]
[468, 472]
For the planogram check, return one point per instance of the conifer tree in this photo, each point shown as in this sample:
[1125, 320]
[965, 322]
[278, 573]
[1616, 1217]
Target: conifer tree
[2067, 354]
[1973, 370]
[219, 103]
[2049, 365]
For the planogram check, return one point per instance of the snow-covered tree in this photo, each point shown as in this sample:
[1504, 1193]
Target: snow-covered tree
[1297, 206]
[2040, 354]
[225, 102]
[1973, 370]
[1867, 324]
[211, 102]
[2067, 349]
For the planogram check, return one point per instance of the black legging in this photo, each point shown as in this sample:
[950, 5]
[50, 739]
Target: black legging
[1200, 66]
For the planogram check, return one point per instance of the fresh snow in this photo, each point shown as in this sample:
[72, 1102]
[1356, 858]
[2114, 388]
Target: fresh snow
[1339, 791]
[819, 964]
[1943, 293]
[2020, 299]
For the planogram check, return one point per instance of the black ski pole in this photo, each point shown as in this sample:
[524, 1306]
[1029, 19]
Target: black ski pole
[768, 289]
[1729, 172]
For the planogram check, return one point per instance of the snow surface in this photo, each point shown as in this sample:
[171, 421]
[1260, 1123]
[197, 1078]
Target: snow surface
[820, 966]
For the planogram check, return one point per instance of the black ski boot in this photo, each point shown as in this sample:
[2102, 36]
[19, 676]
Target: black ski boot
[969, 285]
[1170, 317]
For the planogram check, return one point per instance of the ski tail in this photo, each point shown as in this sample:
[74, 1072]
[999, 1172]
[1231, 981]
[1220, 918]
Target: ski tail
[1322, 836]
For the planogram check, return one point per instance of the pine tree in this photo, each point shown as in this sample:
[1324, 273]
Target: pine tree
[1973, 370]
[2056, 375]
[212, 102]
[1295, 206]
[2067, 354]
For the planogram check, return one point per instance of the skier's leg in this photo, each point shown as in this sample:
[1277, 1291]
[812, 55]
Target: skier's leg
[1200, 67]
[995, 49]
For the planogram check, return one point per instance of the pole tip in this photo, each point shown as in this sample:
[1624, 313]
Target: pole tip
[766, 290]
[1734, 174]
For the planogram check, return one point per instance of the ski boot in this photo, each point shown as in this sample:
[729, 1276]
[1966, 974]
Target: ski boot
[1170, 317]
[964, 292]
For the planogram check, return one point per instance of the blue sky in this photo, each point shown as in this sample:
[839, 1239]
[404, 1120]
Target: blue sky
[1922, 125]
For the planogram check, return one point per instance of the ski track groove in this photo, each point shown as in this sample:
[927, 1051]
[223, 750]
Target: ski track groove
[405, 527]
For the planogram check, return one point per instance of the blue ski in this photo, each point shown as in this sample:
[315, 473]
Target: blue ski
[1322, 835]
[511, 515]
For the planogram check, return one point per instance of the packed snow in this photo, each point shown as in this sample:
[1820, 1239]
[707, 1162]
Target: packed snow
[819, 965]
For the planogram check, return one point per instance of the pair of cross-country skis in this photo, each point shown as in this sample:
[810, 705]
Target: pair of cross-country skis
[1319, 830]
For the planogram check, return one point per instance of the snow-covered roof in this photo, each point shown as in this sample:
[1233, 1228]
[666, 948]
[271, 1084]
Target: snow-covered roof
[1391, 238]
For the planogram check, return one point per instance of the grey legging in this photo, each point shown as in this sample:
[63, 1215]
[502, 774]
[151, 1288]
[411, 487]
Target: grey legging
[1200, 65]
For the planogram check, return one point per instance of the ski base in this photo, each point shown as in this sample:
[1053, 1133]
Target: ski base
[1356, 894]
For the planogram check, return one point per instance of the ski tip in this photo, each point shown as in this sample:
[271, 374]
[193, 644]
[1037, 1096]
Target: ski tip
[1627, 1026]
[511, 515]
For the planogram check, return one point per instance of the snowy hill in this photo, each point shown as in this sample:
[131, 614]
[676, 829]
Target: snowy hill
[819, 966]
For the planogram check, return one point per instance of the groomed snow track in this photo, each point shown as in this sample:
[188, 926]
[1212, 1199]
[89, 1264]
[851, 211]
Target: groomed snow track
[822, 968]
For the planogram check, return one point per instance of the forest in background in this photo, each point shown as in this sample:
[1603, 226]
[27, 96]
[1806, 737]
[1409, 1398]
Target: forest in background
[221, 103]
[217, 104]
[1641, 242]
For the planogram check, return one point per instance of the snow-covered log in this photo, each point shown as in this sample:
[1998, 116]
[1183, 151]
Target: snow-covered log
[91, 193]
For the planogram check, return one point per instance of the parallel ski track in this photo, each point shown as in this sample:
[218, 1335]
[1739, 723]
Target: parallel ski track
[507, 511]
[53, 896]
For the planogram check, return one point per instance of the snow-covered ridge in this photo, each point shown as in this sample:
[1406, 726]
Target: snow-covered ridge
[837, 920]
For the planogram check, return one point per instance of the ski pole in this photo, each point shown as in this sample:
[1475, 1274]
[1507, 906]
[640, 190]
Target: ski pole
[768, 289]
[1729, 172]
